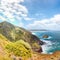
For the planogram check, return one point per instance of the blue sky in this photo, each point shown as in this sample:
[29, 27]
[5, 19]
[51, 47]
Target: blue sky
[31, 14]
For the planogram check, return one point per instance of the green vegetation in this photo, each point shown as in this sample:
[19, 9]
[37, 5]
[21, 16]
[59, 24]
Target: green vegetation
[25, 44]
[19, 48]
[3, 53]
[16, 41]
[36, 45]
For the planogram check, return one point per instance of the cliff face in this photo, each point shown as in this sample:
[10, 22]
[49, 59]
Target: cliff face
[14, 33]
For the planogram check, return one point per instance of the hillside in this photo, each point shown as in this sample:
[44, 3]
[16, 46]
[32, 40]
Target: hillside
[3, 52]
[15, 33]
[10, 51]
[16, 42]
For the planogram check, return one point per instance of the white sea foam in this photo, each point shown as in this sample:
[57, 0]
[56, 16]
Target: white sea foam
[33, 33]
[49, 37]
[46, 47]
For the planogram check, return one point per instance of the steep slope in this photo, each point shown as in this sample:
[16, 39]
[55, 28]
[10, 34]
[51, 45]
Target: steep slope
[6, 29]
[3, 53]
[7, 48]
[14, 33]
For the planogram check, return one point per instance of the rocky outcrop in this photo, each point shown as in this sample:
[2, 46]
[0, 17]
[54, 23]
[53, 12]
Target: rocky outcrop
[45, 36]
[14, 33]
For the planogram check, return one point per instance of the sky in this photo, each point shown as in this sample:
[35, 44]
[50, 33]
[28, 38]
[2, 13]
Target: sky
[31, 14]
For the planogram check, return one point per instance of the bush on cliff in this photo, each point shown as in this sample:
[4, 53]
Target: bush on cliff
[19, 48]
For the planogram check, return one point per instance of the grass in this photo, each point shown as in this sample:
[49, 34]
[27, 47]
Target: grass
[18, 48]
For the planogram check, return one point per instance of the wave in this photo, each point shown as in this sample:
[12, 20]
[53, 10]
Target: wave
[33, 33]
[46, 47]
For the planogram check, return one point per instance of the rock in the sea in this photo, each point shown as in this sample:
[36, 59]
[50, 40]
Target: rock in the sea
[45, 36]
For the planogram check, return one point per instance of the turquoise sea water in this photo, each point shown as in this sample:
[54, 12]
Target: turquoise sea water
[52, 42]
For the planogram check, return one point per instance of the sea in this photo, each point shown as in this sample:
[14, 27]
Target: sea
[52, 43]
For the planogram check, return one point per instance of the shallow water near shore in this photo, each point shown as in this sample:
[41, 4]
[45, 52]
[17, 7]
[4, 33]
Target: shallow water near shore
[52, 42]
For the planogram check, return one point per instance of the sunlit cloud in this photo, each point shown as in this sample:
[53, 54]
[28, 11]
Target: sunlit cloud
[11, 1]
[12, 10]
[52, 23]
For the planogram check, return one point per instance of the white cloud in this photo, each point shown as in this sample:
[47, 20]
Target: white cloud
[12, 10]
[29, 19]
[12, 1]
[51, 23]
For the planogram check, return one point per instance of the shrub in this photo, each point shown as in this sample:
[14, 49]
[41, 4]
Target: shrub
[19, 48]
